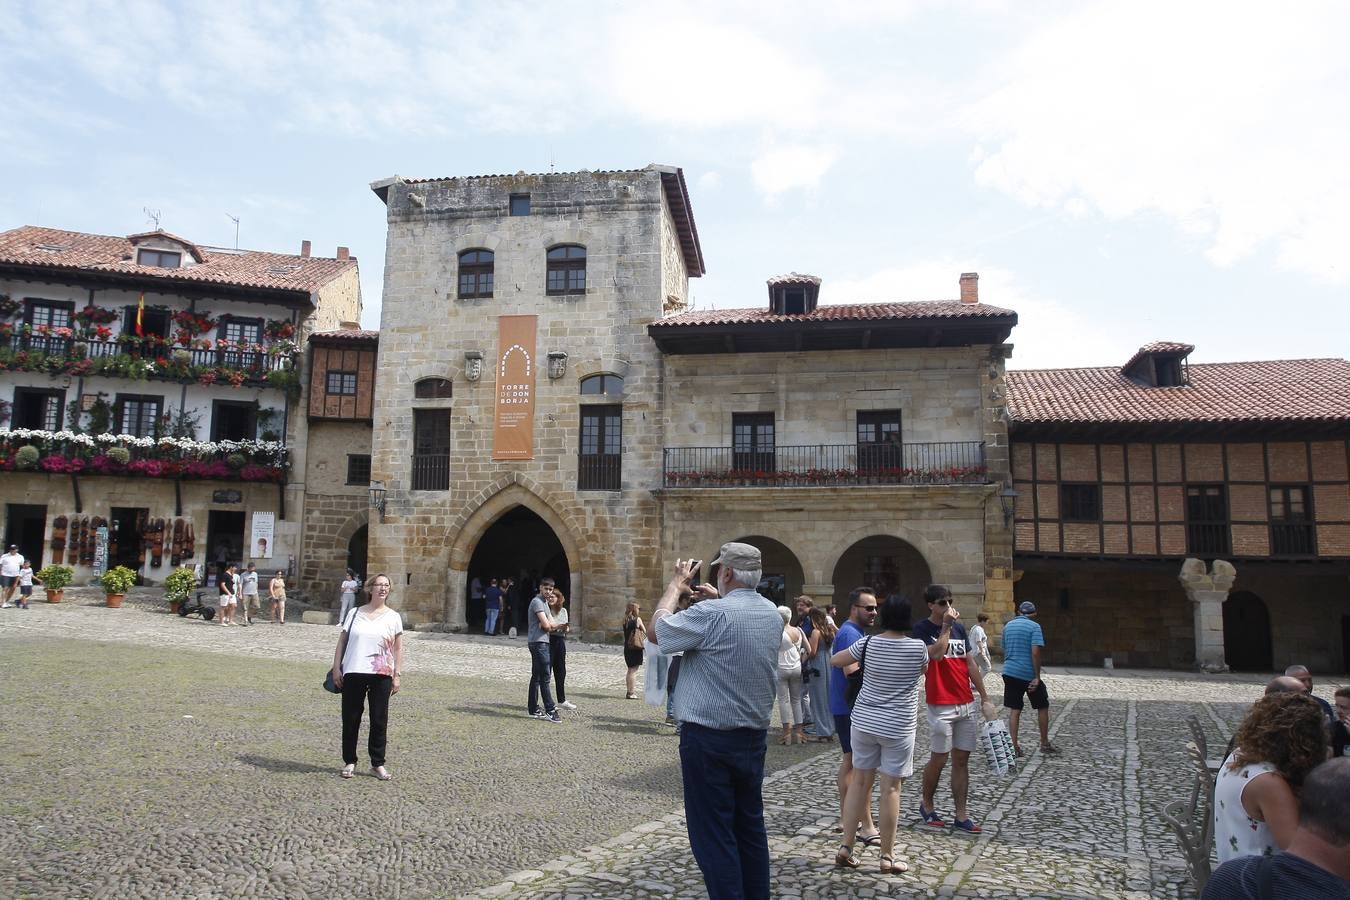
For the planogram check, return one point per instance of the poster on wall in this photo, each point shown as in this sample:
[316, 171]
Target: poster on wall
[260, 535]
[513, 433]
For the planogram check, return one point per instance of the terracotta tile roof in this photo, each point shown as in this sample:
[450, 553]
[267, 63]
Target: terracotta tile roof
[839, 312]
[52, 248]
[1269, 390]
[346, 334]
[795, 278]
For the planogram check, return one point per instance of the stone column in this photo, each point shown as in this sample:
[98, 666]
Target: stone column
[454, 604]
[1208, 590]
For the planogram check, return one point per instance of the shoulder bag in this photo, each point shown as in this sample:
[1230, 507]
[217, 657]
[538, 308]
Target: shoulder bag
[855, 679]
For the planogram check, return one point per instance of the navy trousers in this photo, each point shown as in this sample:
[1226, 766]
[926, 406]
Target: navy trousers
[541, 673]
[724, 809]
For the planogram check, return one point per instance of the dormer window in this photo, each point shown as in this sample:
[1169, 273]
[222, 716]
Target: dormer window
[1160, 364]
[164, 259]
[793, 295]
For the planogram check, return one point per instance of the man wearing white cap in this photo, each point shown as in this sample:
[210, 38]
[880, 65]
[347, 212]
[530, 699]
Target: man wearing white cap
[1022, 643]
[728, 681]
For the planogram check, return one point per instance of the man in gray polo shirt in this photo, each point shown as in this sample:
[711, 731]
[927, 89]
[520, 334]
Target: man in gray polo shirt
[728, 681]
[541, 660]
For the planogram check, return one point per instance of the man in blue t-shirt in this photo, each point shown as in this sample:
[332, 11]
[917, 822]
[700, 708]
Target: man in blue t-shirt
[492, 598]
[862, 613]
[1022, 643]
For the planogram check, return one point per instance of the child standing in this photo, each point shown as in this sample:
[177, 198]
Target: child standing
[25, 584]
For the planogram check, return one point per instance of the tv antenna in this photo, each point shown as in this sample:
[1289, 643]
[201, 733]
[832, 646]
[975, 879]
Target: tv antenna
[235, 220]
[152, 215]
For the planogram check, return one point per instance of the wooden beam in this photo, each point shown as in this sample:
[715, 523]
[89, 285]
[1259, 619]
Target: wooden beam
[729, 341]
[866, 338]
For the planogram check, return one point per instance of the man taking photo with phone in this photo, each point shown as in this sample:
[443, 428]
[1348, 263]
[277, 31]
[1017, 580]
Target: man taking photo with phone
[728, 682]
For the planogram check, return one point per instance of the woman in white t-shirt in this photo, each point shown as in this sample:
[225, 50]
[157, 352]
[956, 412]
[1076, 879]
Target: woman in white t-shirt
[349, 587]
[368, 663]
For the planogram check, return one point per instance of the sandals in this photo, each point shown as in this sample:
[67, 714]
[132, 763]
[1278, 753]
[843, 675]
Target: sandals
[1049, 748]
[890, 867]
[845, 859]
[871, 840]
[631, 697]
[348, 770]
[381, 773]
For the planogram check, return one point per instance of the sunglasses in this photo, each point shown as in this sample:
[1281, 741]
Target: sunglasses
[942, 603]
[868, 608]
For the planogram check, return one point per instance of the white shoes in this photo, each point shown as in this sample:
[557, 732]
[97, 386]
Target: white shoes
[567, 705]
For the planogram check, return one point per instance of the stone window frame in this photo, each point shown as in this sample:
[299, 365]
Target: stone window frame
[482, 273]
[600, 471]
[433, 388]
[562, 261]
[605, 380]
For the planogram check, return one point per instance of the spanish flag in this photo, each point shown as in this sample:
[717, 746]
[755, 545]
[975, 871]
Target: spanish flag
[140, 316]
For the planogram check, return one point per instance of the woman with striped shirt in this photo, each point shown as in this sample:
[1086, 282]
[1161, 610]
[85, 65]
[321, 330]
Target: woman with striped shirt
[885, 718]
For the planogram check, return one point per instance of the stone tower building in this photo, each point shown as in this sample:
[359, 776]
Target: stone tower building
[518, 394]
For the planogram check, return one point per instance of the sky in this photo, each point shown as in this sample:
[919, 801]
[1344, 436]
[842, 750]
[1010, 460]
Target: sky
[1116, 172]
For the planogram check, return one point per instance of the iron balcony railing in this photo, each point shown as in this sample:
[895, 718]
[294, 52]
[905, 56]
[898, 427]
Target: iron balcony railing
[254, 363]
[431, 471]
[1208, 539]
[599, 472]
[951, 462]
[1292, 539]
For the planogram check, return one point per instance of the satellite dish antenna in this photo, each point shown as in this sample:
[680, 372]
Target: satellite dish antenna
[235, 220]
[152, 215]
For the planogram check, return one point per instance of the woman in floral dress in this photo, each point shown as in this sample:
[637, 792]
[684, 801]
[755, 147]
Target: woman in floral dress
[368, 664]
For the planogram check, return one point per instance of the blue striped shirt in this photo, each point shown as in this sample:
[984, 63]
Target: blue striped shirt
[729, 676]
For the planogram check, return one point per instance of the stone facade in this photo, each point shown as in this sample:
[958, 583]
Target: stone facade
[820, 538]
[633, 263]
[335, 510]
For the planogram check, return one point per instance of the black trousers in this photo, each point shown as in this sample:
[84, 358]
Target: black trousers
[355, 688]
[559, 650]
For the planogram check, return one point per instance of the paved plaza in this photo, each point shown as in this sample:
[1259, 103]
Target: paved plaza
[144, 755]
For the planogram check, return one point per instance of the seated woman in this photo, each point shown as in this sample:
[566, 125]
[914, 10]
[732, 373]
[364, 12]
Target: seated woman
[1281, 740]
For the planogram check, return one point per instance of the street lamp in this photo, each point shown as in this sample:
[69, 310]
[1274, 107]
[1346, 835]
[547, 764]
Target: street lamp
[1007, 498]
[377, 497]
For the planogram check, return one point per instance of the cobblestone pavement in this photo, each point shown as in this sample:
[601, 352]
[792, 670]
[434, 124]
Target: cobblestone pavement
[209, 770]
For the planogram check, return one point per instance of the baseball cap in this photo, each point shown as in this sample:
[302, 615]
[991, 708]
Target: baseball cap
[738, 556]
[1027, 608]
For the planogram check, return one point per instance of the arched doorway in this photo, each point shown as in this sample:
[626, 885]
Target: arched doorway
[782, 578]
[357, 551]
[519, 545]
[1246, 633]
[888, 566]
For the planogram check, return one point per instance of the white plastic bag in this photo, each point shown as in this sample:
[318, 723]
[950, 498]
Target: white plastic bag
[998, 748]
[656, 665]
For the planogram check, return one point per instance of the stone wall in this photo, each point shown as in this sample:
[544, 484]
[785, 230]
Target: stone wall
[334, 510]
[425, 330]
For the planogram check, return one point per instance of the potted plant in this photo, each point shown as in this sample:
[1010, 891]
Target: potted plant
[55, 578]
[116, 582]
[178, 586]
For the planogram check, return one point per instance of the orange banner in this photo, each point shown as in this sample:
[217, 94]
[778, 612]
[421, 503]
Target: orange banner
[513, 435]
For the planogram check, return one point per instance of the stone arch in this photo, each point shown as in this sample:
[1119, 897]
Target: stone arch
[830, 557]
[408, 375]
[586, 366]
[489, 505]
[903, 569]
[568, 235]
[779, 559]
[476, 240]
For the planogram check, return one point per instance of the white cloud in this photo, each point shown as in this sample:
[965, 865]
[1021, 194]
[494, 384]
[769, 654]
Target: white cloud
[1049, 333]
[785, 168]
[1232, 121]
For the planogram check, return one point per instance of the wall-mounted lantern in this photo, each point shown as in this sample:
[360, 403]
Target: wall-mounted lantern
[377, 497]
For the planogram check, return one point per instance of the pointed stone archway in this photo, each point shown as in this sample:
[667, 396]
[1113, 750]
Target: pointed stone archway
[511, 496]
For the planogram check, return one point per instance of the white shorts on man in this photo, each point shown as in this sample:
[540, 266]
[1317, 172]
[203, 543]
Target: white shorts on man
[952, 726]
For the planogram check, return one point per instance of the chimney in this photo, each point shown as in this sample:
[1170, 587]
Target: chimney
[344, 253]
[304, 249]
[970, 287]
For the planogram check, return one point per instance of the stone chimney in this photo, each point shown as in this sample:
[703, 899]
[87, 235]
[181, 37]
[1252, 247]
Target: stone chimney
[344, 253]
[970, 287]
[304, 249]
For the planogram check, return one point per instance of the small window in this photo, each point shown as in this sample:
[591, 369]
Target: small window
[566, 270]
[53, 314]
[358, 468]
[164, 259]
[154, 322]
[38, 408]
[431, 450]
[752, 439]
[137, 415]
[520, 204]
[1169, 372]
[342, 384]
[879, 440]
[1080, 502]
[475, 274]
[602, 384]
[1207, 526]
[433, 389]
[241, 332]
[1291, 526]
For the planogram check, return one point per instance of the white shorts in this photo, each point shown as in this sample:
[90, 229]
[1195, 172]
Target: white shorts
[952, 727]
[893, 756]
[227, 600]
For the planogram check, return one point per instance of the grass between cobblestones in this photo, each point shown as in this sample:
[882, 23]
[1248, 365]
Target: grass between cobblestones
[155, 771]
